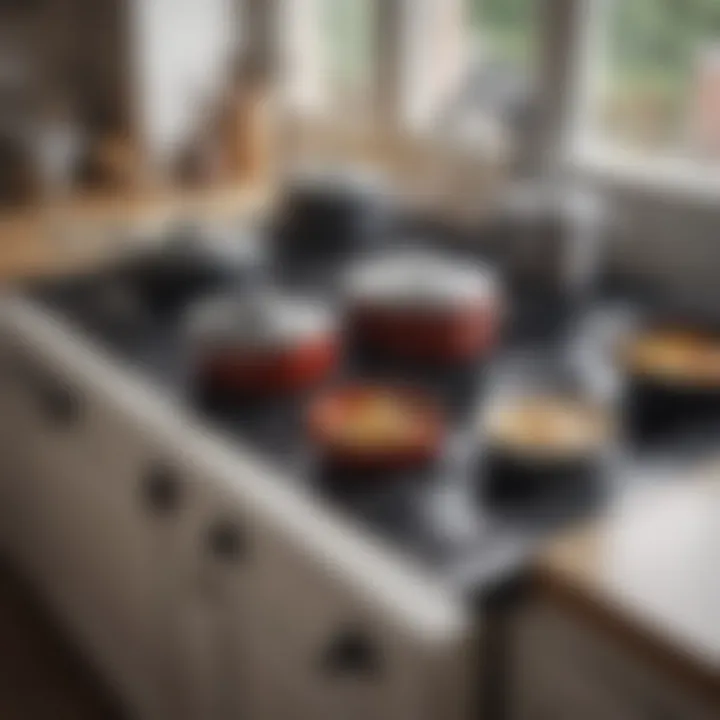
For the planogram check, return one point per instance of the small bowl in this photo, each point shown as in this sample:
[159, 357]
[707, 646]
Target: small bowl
[408, 434]
[424, 307]
[672, 379]
[526, 463]
[263, 344]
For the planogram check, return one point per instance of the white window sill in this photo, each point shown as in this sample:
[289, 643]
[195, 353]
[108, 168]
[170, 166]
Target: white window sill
[672, 177]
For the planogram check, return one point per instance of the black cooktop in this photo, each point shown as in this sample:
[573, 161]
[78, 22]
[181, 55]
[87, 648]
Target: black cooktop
[439, 517]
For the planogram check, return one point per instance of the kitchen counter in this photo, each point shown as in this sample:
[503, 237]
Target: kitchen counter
[649, 576]
[56, 239]
[646, 574]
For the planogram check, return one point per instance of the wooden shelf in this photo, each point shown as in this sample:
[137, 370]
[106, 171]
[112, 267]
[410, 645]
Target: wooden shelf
[46, 239]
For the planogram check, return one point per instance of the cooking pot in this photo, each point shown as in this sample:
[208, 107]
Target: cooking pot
[369, 431]
[193, 261]
[423, 306]
[262, 344]
[548, 239]
[539, 446]
[333, 212]
[671, 370]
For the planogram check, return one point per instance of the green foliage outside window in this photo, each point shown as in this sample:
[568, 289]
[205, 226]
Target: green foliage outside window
[650, 55]
[506, 26]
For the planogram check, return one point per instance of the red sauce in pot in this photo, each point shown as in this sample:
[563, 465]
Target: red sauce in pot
[448, 335]
[270, 371]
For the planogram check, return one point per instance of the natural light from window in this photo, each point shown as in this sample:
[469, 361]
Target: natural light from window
[657, 90]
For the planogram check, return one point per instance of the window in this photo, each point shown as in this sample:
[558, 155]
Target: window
[493, 78]
[348, 37]
[657, 66]
[435, 56]
[504, 30]
[328, 48]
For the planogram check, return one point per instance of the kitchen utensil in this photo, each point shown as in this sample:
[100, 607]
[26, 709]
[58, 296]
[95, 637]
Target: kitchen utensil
[375, 427]
[333, 212]
[422, 306]
[263, 344]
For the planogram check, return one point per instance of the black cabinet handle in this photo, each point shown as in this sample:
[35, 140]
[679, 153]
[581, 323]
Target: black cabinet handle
[226, 541]
[162, 489]
[60, 404]
[351, 653]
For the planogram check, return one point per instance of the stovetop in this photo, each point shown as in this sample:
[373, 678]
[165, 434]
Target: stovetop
[438, 516]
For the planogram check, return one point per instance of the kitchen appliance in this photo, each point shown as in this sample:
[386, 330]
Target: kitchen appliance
[424, 307]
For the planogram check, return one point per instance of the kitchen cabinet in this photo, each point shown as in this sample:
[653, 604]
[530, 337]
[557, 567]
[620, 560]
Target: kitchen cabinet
[301, 635]
[567, 668]
[94, 532]
[627, 606]
[17, 447]
[201, 586]
[32, 443]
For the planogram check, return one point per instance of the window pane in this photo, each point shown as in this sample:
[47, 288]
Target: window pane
[348, 32]
[661, 89]
[505, 29]
[502, 37]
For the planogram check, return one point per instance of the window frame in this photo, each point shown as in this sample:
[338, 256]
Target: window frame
[591, 152]
[567, 138]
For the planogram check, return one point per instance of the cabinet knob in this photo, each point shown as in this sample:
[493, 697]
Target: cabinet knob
[226, 541]
[351, 653]
[61, 405]
[162, 489]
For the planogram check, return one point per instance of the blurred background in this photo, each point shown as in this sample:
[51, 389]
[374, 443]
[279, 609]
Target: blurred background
[154, 152]
[125, 97]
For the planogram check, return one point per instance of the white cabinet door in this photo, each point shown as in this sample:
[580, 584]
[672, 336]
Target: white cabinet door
[566, 668]
[301, 640]
[186, 618]
[144, 507]
[197, 599]
[18, 447]
[36, 433]
[126, 492]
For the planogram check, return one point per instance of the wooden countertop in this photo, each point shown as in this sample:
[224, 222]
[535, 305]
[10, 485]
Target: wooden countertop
[62, 237]
[650, 572]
